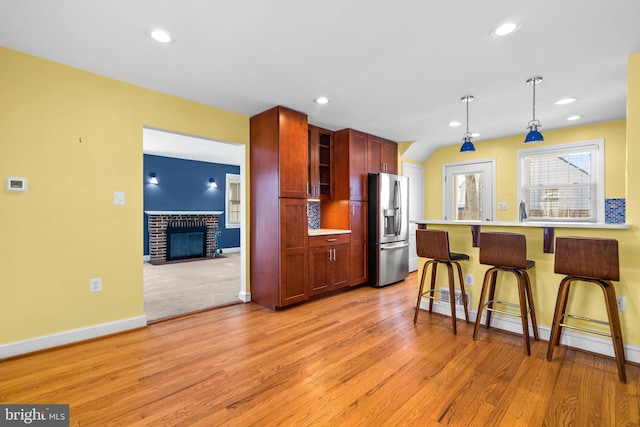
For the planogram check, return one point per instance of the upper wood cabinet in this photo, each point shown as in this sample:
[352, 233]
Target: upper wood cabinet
[389, 156]
[279, 139]
[382, 155]
[350, 159]
[320, 152]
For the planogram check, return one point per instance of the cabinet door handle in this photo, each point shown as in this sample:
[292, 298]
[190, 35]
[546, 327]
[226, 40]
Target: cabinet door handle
[329, 254]
[331, 240]
[351, 191]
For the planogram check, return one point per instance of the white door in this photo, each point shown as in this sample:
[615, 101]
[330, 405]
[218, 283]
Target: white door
[469, 191]
[415, 174]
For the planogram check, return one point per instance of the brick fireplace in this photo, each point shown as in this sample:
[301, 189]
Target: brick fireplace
[160, 220]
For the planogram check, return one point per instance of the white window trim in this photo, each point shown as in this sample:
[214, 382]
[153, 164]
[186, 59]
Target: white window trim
[229, 177]
[446, 197]
[560, 148]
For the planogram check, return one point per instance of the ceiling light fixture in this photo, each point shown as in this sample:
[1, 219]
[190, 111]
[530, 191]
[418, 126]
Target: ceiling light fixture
[534, 134]
[505, 29]
[161, 36]
[321, 100]
[565, 101]
[454, 124]
[576, 117]
[467, 145]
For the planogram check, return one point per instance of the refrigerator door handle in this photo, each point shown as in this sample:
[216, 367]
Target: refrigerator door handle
[398, 200]
[390, 248]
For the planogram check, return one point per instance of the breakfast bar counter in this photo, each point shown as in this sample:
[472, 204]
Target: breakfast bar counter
[547, 227]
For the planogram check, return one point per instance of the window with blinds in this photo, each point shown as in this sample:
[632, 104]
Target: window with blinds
[563, 182]
[232, 196]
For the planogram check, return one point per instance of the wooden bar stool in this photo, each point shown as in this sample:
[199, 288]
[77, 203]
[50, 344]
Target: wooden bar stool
[434, 244]
[507, 252]
[588, 260]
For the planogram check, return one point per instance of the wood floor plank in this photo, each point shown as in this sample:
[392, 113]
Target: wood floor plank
[350, 359]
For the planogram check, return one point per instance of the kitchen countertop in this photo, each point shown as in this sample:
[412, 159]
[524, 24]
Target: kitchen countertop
[540, 224]
[325, 231]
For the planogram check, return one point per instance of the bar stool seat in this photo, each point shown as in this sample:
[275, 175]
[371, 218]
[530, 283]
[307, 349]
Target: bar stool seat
[434, 244]
[507, 252]
[588, 260]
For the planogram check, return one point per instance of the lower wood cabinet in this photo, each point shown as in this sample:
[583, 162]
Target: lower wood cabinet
[329, 262]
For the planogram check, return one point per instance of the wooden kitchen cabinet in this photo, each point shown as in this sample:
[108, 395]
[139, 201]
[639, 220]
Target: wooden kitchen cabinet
[279, 152]
[358, 225]
[351, 168]
[278, 208]
[293, 252]
[329, 263]
[389, 159]
[320, 158]
[382, 155]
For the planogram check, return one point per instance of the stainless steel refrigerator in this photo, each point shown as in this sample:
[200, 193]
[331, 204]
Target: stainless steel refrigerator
[388, 236]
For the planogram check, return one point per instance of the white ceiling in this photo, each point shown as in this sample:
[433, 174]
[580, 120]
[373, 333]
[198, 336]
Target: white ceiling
[396, 69]
[170, 144]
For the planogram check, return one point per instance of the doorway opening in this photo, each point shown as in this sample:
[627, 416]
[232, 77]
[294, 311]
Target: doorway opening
[185, 168]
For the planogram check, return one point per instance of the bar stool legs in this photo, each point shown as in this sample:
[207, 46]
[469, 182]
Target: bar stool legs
[526, 304]
[612, 314]
[431, 292]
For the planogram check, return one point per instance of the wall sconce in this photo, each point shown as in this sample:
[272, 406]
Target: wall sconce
[153, 179]
[212, 183]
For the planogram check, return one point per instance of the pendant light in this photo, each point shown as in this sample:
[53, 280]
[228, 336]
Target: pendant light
[534, 134]
[467, 145]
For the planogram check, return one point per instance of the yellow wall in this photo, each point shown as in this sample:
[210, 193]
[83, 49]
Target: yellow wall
[77, 137]
[622, 136]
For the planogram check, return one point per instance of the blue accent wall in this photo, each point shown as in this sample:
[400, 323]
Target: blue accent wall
[183, 185]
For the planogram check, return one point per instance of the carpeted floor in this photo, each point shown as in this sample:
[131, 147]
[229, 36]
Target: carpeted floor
[183, 287]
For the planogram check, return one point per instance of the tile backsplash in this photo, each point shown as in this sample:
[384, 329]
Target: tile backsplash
[313, 214]
[615, 211]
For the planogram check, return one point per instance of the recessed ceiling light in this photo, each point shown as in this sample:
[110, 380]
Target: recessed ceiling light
[505, 28]
[475, 135]
[565, 101]
[161, 36]
[576, 117]
[454, 124]
[321, 100]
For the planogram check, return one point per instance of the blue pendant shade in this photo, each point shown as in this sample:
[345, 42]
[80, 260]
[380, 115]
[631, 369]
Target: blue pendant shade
[467, 145]
[534, 134]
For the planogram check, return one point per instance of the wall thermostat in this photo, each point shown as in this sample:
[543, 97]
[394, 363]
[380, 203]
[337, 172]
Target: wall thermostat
[16, 184]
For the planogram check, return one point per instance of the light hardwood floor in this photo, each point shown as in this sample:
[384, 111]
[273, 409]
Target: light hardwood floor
[350, 359]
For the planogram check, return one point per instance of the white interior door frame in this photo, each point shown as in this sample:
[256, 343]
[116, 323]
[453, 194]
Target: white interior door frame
[415, 173]
[485, 167]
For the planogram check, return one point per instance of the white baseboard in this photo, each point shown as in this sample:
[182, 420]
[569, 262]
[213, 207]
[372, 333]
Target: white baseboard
[586, 342]
[68, 337]
[244, 296]
[229, 250]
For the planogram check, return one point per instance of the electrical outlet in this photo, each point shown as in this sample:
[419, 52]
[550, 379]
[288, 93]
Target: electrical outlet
[95, 284]
[621, 302]
[468, 279]
[502, 206]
